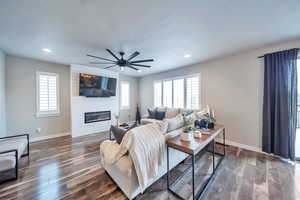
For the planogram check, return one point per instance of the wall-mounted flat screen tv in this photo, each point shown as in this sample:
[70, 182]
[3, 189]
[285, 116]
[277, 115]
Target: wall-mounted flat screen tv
[97, 86]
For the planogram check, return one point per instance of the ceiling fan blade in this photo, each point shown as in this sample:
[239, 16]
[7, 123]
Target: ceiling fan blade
[138, 65]
[135, 54]
[100, 58]
[109, 66]
[133, 67]
[140, 61]
[109, 51]
[102, 62]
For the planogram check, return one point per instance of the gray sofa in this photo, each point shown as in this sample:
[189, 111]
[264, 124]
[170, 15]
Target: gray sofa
[12, 148]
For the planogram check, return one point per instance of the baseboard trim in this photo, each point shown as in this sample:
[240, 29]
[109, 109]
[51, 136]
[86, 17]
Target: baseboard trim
[36, 139]
[239, 145]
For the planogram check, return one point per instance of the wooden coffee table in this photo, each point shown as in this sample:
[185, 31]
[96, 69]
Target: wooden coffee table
[193, 147]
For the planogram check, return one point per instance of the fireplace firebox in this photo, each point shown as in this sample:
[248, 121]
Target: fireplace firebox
[91, 117]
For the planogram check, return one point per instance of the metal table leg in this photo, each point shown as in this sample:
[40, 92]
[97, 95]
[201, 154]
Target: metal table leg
[224, 141]
[193, 175]
[213, 153]
[168, 167]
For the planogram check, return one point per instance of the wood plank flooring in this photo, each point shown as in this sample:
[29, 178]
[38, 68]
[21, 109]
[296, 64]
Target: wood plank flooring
[66, 168]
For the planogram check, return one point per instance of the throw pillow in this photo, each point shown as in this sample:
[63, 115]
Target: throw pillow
[174, 123]
[120, 132]
[172, 112]
[163, 126]
[152, 113]
[160, 115]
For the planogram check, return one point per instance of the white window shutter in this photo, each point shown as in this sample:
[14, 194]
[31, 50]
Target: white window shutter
[178, 93]
[192, 92]
[167, 94]
[157, 94]
[47, 86]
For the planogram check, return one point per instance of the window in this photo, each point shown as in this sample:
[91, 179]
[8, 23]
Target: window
[125, 94]
[47, 94]
[192, 92]
[157, 94]
[167, 93]
[178, 93]
[183, 92]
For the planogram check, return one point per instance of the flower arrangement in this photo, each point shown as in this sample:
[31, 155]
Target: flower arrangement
[188, 122]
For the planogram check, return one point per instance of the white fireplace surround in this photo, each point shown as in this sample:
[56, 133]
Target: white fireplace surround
[80, 105]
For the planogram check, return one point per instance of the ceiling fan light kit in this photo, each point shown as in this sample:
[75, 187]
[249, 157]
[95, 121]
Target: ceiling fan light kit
[121, 61]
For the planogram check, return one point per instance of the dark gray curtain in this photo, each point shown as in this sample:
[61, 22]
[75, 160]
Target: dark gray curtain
[280, 103]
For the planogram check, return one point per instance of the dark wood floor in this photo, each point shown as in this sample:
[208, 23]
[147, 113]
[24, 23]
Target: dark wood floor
[66, 168]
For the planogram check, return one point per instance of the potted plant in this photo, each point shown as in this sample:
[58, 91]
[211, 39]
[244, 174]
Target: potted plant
[210, 118]
[188, 122]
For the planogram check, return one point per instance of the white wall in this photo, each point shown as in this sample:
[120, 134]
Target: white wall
[2, 95]
[80, 104]
[129, 114]
[233, 86]
[21, 98]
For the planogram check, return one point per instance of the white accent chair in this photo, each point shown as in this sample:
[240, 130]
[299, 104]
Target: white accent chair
[12, 148]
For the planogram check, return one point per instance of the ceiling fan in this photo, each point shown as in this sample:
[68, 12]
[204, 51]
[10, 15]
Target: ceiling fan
[122, 62]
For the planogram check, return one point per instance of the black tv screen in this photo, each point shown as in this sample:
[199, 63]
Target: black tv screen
[97, 86]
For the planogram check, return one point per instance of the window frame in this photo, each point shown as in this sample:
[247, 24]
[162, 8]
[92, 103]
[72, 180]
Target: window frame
[184, 77]
[39, 113]
[121, 95]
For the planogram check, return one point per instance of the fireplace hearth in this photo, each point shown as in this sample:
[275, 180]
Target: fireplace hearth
[91, 117]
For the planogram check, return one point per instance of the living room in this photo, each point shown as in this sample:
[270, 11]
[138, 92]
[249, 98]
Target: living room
[83, 84]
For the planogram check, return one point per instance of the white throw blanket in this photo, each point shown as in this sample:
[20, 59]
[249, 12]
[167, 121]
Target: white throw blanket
[146, 146]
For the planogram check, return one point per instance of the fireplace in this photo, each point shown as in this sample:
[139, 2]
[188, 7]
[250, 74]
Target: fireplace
[91, 117]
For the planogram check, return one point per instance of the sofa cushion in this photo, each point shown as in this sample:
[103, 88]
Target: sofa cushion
[148, 121]
[152, 113]
[161, 109]
[160, 115]
[172, 112]
[175, 122]
[163, 125]
[109, 149]
[120, 132]
[7, 161]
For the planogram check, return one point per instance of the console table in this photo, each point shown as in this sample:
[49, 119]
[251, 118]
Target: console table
[193, 147]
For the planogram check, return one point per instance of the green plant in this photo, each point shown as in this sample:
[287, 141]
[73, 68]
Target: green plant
[210, 117]
[187, 121]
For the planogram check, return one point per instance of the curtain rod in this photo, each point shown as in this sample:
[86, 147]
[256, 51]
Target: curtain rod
[277, 52]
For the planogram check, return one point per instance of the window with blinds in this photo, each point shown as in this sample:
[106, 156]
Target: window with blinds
[183, 92]
[47, 94]
[167, 94]
[157, 94]
[178, 93]
[125, 95]
[192, 92]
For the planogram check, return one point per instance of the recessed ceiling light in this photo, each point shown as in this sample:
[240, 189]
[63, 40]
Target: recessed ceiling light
[187, 55]
[47, 50]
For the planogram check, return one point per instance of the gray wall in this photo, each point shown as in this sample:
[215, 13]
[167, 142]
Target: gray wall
[129, 115]
[21, 97]
[2, 95]
[233, 86]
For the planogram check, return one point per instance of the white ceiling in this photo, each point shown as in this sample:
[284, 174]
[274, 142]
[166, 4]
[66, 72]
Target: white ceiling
[164, 30]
